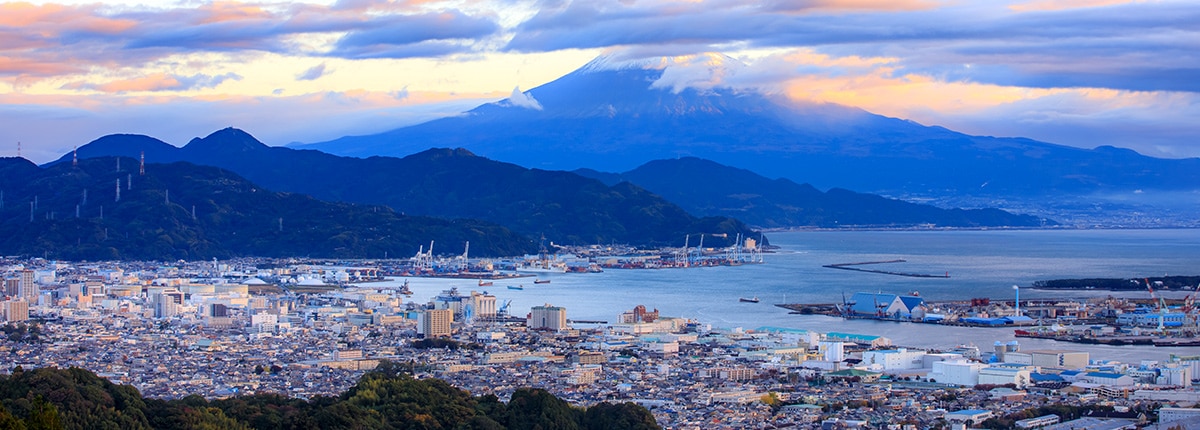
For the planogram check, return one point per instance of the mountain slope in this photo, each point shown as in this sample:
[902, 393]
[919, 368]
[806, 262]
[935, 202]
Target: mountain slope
[613, 116]
[708, 188]
[564, 207]
[184, 211]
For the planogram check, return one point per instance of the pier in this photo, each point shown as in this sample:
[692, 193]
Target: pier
[854, 267]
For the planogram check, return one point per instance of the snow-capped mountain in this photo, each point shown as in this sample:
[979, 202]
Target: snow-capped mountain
[616, 113]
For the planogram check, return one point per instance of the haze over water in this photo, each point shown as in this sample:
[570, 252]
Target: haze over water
[980, 264]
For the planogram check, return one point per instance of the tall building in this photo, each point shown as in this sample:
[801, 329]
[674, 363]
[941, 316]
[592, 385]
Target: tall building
[12, 287]
[547, 317]
[15, 310]
[435, 322]
[28, 289]
[166, 303]
[484, 304]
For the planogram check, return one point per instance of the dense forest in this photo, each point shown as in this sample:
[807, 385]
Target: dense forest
[386, 398]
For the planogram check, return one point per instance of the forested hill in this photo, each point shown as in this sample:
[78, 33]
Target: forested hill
[99, 211]
[448, 183]
[383, 399]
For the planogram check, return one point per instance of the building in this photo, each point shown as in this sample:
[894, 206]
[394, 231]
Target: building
[1166, 415]
[1036, 422]
[861, 339]
[166, 303]
[435, 322]
[15, 310]
[894, 359]
[1018, 375]
[884, 305]
[547, 317]
[975, 416]
[27, 289]
[1051, 359]
[483, 305]
[960, 373]
[639, 314]
[832, 351]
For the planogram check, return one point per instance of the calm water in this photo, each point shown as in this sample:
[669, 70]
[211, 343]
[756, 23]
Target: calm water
[980, 264]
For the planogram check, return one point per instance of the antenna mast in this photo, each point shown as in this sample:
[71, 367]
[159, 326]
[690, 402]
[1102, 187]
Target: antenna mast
[142, 165]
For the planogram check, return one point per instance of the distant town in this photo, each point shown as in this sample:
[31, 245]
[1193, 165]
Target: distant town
[306, 328]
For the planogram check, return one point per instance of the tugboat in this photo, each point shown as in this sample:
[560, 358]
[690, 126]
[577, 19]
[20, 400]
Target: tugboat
[541, 281]
[748, 300]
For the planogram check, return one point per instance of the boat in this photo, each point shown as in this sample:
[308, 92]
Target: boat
[404, 289]
[748, 300]
[483, 283]
[541, 281]
[543, 266]
[519, 287]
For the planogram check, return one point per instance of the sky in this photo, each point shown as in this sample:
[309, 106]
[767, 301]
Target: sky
[1075, 72]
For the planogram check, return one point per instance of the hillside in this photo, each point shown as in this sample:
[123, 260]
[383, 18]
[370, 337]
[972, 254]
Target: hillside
[184, 211]
[449, 183]
[383, 399]
[707, 188]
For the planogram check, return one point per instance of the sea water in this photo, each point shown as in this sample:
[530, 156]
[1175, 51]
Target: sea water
[980, 263]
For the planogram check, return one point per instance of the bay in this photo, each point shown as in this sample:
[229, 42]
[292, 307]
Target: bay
[980, 263]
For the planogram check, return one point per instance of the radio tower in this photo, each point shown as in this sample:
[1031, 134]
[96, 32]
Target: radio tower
[118, 190]
[18, 149]
[142, 165]
[75, 157]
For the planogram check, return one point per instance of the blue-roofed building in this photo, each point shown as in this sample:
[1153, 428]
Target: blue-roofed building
[1104, 378]
[983, 321]
[912, 302]
[1018, 320]
[889, 305]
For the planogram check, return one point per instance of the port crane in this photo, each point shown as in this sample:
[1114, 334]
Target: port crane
[1189, 308]
[1162, 306]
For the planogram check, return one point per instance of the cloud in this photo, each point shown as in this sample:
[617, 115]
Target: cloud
[48, 40]
[49, 126]
[313, 73]
[1135, 46]
[521, 100]
[156, 82]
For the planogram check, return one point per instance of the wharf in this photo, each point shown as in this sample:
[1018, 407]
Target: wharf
[854, 267]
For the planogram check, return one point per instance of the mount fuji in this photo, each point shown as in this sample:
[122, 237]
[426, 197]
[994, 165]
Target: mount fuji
[612, 116]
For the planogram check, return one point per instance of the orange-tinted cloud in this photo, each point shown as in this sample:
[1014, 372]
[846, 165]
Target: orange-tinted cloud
[1045, 5]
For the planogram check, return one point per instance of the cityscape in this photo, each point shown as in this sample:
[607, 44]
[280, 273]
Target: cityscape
[219, 329]
[599, 214]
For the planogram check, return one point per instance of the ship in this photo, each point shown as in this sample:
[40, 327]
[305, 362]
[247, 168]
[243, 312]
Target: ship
[748, 300]
[519, 287]
[541, 281]
[542, 266]
[404, 289]
[483, 283]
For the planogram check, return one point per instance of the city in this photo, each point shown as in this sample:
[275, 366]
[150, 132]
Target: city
[217, 330]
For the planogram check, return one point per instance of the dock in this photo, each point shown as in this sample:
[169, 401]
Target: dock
[854, 267]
